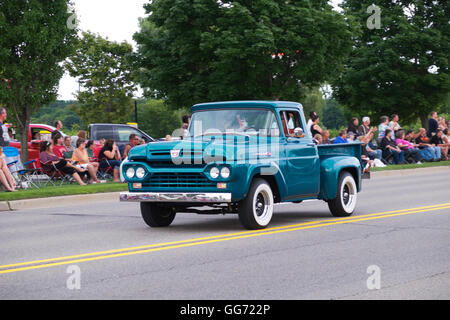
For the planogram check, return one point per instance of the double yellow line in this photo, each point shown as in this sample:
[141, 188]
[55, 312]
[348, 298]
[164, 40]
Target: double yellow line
[100, 255]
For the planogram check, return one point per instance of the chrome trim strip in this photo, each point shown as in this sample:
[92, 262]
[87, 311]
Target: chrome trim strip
[175, 197]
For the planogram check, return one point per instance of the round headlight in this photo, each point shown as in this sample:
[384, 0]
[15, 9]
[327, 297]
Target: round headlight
[214, 172]
[225, 173]
[140, 172]
[130, 172]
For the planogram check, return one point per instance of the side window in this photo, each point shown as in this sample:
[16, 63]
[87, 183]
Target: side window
[290, 121]
[124, 133]
[105, 132]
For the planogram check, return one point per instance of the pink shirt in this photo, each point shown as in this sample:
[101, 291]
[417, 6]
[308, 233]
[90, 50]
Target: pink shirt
[405, 142]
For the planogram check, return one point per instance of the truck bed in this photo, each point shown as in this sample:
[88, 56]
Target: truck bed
[341, 149]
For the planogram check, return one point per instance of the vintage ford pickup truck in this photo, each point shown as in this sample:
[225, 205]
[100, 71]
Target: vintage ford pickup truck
[241, 157]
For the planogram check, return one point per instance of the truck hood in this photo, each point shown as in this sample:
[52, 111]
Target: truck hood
[209, 149]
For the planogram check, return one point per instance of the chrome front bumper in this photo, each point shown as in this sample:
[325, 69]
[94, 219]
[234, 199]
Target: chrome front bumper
[175, 197]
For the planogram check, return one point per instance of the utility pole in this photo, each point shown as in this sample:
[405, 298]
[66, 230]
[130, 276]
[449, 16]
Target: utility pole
[135, 112]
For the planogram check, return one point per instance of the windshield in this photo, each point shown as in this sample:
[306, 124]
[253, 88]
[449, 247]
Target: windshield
[234, 121]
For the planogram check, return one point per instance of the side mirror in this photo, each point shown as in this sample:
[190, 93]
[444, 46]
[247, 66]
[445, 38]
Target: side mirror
[298, 133]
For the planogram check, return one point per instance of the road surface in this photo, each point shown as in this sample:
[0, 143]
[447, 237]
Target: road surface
[396, 246]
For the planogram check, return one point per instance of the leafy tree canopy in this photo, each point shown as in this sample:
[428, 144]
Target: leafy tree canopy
[104, 69]
[35, 40]
[401, 68]
[207, 50]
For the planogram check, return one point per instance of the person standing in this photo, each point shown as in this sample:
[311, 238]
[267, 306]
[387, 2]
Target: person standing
[394, 123]
[312, 115]
[433, 124]
[58, 125]
[4, 136]
[382, 128]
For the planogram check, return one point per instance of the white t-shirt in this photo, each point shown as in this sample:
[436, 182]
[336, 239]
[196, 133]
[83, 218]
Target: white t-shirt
[308, 127]
[5, 134]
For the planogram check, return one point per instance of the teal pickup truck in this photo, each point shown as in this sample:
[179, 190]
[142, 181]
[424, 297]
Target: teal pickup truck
[241, 157]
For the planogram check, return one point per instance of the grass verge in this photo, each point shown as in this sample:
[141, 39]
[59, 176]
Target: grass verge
[65, 190]
[411, 166]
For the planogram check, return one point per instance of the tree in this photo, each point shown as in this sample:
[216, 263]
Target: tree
[401, 68]
[313, 101]
[58, 110]
[333, 117]
[35, 40]
[156, 119]
[207, 50]
[104, 69]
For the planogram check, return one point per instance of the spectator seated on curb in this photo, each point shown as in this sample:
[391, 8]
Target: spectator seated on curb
[58, 145]
[446, 136]
[437, 141]
[364, 127]
[133, 140]
[326, 137]
[51, 163]
[352, 129]
[390, 149]
[317, 139]
[428, 150]
[81, 157]
[341, 138]
[367, 163]
[109, 156]
[6, 179]
[68, 144]
[411, 152]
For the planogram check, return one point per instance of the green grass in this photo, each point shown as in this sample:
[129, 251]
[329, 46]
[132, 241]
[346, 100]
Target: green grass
[411, 166]
[65, 190]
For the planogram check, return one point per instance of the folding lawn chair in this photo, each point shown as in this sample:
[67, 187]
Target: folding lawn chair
[25, 178]
[56, 175]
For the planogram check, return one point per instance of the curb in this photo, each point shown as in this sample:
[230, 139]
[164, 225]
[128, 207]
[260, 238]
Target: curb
[53, 202]
[407, 172]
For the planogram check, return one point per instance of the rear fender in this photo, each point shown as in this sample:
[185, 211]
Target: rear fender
[330, 169]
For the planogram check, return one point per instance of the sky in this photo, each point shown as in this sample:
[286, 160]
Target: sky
[116, 20]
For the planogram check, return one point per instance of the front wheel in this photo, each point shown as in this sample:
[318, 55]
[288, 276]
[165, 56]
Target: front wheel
[347, 193]
[256, 210]
[157, 216]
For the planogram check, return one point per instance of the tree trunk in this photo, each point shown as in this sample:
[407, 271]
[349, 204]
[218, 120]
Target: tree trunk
[424, 120]
[24, 126]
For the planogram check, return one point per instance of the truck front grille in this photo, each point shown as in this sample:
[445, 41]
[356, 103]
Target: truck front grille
[178, 180]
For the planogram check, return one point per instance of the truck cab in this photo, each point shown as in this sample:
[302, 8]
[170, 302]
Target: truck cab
[241, 157]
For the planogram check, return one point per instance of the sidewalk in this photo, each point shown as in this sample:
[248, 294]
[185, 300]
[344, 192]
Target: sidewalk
[114, 196]
[57, 201]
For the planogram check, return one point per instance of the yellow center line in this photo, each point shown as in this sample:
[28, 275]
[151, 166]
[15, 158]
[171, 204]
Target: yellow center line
[212, 239]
